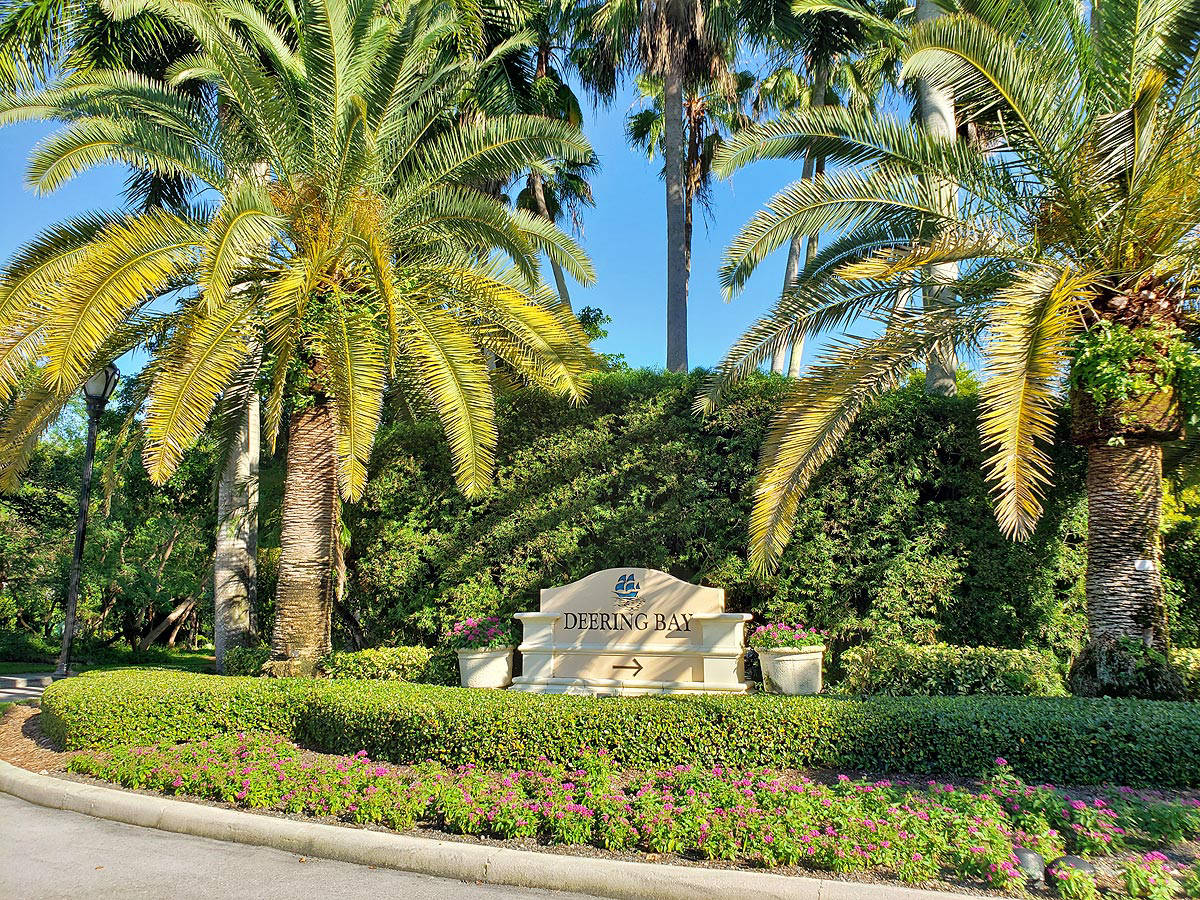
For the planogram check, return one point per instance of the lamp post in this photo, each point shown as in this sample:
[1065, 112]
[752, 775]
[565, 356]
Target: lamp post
[96, 391]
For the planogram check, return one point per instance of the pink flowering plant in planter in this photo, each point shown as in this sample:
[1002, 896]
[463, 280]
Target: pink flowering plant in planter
[792, 657]
[780, 635]
[486, 633]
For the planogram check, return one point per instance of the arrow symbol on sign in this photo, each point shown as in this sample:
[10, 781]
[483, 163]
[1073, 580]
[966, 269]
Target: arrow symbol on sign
[637, 667]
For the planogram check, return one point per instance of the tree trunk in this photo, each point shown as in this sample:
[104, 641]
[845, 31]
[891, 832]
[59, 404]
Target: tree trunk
[677, 262]
[174, 618]
[539, 201]
[234, 560]
[812, 165]
[936, 108]
[1124, 585]
[1127, 618]
[304, 600]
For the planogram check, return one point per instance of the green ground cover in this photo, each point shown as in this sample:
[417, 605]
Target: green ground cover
[1065, 740]
[24, 668]
[911, 831]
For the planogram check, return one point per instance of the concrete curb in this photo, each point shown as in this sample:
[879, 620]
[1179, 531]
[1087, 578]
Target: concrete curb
[444, 859]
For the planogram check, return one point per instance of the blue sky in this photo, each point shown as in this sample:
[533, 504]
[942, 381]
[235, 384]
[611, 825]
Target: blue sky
[625, 235]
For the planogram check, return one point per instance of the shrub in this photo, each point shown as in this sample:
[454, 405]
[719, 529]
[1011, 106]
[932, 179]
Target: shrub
[1187, 664]
[246, 660]
[487, 633]
[387, 663]
[912, 831]
[21, 646]
[1067, 740]
[904, 669]
[776, 635]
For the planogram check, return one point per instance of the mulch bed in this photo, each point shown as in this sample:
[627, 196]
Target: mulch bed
[23, 744]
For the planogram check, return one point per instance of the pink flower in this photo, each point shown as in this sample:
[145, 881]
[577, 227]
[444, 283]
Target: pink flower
[1001, 761]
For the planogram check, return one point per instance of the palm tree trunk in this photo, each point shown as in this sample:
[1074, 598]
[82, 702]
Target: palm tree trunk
[677, 261]
[539, 201]
[1124, 585]
[1125, 600]
[234, 563]
[304, 601]
[812, 165]
[936, 107]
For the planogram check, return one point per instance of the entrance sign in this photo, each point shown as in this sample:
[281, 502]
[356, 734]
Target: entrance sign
[632, 631]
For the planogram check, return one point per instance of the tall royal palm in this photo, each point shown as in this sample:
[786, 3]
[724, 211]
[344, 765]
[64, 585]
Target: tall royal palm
[345, 239]
[1078, 250]
[678, 42]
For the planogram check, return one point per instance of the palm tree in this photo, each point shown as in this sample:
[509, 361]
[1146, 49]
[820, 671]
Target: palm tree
[847, 48]
[362, 258]
[557, 27]
[40, 41]
[680, 42]
[710, 114]
[1077, 249]
[561, 196]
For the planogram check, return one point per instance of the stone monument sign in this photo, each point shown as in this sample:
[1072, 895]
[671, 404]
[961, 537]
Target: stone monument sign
[632, 631]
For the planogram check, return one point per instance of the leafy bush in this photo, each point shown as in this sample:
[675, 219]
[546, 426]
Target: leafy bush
[418, 664]
[903, 669]
[1187, 664]
[1066, 740]
[21, 646]
[913, 832]
[246, 660]
[896, 537]
[775, 635]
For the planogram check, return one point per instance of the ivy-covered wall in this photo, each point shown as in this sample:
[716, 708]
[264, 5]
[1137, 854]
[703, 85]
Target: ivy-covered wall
[896, 536]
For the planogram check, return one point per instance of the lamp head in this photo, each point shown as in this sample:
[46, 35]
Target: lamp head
[101, 385]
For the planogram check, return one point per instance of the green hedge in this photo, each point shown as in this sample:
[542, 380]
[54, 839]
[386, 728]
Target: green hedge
[415, 664]
[1187, 663]
[1065, 740]
[899, 670]
[246, 660]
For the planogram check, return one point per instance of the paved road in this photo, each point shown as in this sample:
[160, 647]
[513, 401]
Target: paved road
[50, 854]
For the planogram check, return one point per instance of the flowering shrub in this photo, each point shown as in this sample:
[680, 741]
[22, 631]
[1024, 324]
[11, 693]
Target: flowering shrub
[488, 633]
[1150, 878]
[775, 635]
[1191, 882]
[914, 832]
[1072, 884]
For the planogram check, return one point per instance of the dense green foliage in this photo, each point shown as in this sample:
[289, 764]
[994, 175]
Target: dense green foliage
[148, 550]
[895, 539]
[417, 664]
[1067, 740]
[899, 670]
[1187, 664]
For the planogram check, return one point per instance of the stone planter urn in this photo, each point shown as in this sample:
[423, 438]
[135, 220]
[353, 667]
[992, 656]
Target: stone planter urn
[486, 668]
[792, 670]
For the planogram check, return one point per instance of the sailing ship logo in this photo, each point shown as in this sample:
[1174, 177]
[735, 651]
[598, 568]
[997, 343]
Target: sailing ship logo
[626, 591]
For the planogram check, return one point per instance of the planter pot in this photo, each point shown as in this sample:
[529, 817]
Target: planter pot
[792, 670]
[486, 668]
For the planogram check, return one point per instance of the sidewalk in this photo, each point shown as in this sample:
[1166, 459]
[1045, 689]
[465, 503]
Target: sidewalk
[14, 688]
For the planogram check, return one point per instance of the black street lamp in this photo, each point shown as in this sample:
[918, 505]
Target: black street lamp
[96, 391]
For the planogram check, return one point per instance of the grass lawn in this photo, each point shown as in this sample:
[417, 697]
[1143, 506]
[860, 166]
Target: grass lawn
[201, 661]
[24, 668]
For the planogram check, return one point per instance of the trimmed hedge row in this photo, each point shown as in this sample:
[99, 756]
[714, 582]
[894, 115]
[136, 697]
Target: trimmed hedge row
[899, 670]
[1064, 740]
[418, 664]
